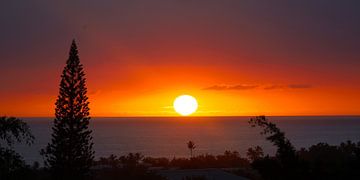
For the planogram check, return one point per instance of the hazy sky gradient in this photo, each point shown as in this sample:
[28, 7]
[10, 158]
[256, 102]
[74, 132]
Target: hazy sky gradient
[237, 57]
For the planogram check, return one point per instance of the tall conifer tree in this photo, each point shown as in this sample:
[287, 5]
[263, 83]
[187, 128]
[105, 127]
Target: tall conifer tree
[70, 153]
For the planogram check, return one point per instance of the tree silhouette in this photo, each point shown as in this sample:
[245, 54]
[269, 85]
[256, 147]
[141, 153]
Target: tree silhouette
[191, 146]
[70, 154]
[287, 163]
[255, 153]
[285, 150]
[12, 130]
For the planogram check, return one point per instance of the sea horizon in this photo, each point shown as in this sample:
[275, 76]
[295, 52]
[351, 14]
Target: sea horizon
[167, 136]
[194, 116]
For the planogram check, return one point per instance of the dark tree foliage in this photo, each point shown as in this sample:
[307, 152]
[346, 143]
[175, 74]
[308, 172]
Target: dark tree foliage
[15, 130]
[157, 162]
[129, 167]
[269, 168]
[130, 161]
[332, 162]
[230, 159]
[12, 130]
[255, 153]
[320, 161]
[285, 150]
[286, 164]
[70, 152]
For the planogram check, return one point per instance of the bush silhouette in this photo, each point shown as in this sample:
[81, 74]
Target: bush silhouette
[129, 167]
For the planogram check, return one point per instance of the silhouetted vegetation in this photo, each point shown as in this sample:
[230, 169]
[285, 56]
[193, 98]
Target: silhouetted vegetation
[255, 153]
[135, 166]
[326, 161]
[194, 178]
[285, 150]
[191, 146]
[70, 154]
[13, 130]
[321, 161]
[124, 167]
[227, 160]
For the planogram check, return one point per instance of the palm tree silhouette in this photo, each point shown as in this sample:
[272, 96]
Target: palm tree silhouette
[191, 146]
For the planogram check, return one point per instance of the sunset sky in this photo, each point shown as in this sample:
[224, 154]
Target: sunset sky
[235, 57]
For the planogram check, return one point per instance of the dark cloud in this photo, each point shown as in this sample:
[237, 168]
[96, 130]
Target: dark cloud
[253, 86]
[299, 86]
[273, 86]
[231, 87]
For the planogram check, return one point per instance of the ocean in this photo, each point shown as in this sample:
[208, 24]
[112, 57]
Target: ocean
[167, 136]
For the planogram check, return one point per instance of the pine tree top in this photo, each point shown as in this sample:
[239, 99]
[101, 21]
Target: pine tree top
[73, 54]
[70, 152]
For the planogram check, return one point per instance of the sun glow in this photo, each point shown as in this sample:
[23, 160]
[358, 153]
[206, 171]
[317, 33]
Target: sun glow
[185, 105]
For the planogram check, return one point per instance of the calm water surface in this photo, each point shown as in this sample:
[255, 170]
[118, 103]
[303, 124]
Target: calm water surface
[167, 136]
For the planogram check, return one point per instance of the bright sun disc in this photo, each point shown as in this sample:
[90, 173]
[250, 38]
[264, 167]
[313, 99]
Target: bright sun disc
[185, 105]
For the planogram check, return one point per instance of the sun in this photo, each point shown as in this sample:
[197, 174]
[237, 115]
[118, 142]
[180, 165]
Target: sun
[185, 105]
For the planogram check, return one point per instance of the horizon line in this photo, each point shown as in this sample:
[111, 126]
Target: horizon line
[145, 116]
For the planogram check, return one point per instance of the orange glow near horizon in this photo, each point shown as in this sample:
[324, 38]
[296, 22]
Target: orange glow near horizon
[150, 91]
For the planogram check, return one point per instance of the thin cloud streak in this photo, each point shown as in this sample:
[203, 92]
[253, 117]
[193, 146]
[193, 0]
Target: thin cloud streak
[254, 86]
[300, 86]
[231, 87]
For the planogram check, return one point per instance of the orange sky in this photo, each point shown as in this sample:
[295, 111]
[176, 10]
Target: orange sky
[235, 57]
[150, 90]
